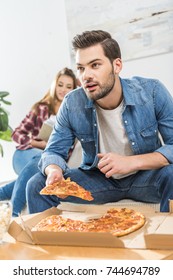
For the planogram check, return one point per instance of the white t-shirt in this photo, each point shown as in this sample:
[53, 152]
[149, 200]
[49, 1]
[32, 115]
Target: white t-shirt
[112, 135]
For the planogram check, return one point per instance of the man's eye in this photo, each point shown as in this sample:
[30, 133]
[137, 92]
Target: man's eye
[95, 65]
[80, 69]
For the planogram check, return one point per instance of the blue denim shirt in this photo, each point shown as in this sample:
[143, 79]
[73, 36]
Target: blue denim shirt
[148, 113]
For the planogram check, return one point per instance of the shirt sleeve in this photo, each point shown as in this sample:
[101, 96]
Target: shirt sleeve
[60, 142]
[164, 113]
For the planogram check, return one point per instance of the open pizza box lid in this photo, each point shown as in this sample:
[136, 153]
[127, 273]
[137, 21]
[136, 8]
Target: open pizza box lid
[157, 233]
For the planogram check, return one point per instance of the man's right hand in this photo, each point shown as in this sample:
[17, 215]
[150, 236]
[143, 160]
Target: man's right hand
[54, 174]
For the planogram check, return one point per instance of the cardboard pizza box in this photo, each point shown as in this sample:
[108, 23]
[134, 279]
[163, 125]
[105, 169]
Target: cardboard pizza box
[163, 236]
[157, 233]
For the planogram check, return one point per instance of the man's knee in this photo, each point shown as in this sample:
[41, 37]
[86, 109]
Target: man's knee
[166, 173]
[34, 184]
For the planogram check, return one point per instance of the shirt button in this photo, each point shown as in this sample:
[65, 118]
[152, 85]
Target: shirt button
[133, 143]
[82, 139]
[125, 122]
[95, 124]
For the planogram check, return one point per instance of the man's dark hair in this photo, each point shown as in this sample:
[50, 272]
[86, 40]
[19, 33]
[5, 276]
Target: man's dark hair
[90, 38]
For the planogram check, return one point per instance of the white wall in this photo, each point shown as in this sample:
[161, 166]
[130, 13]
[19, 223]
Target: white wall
[33, 48]
[159, 67]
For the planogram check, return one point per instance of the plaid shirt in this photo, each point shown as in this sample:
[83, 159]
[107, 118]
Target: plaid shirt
[30, 127]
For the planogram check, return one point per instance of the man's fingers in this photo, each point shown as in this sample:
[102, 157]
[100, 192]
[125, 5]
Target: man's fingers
[52, 179]
[100, 155]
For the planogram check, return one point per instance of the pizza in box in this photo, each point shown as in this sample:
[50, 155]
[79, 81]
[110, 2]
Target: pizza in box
[117, 221]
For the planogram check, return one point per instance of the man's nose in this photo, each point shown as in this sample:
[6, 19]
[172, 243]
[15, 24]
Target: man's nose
[87, 74]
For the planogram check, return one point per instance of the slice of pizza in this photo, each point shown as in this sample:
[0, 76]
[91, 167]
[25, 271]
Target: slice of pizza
[65, 188]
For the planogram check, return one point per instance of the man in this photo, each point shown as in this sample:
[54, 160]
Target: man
[119, 123]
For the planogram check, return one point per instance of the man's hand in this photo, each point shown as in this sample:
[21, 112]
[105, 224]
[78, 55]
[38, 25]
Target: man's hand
[54, 174]
[112, 163]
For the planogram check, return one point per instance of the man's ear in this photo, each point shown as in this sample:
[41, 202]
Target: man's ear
[117, 64]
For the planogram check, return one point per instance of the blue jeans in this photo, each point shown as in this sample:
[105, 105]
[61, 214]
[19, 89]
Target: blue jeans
[16, 190]
[22, 157]
[153, 186]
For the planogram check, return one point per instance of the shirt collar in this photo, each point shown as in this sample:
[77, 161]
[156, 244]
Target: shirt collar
[128, 90]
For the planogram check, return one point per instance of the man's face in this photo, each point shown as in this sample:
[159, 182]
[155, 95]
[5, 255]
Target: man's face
[95, 72]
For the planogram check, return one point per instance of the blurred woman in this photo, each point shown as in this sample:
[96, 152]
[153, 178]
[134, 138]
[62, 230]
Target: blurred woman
[25, 135]
[29, 148]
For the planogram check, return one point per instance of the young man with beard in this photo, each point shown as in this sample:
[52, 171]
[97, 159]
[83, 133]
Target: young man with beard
[119, 123]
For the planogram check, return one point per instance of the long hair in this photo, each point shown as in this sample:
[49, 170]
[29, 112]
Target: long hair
[90, 38]
[50, 97]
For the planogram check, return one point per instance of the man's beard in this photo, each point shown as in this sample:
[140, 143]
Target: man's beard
[105, 89]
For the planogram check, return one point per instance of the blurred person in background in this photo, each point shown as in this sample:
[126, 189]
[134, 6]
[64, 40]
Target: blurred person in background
[30, 147]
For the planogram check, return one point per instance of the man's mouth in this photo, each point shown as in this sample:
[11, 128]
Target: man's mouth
[90, 86]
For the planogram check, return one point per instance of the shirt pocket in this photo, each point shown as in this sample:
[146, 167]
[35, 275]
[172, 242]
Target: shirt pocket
[88, 143]
[150, 138]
